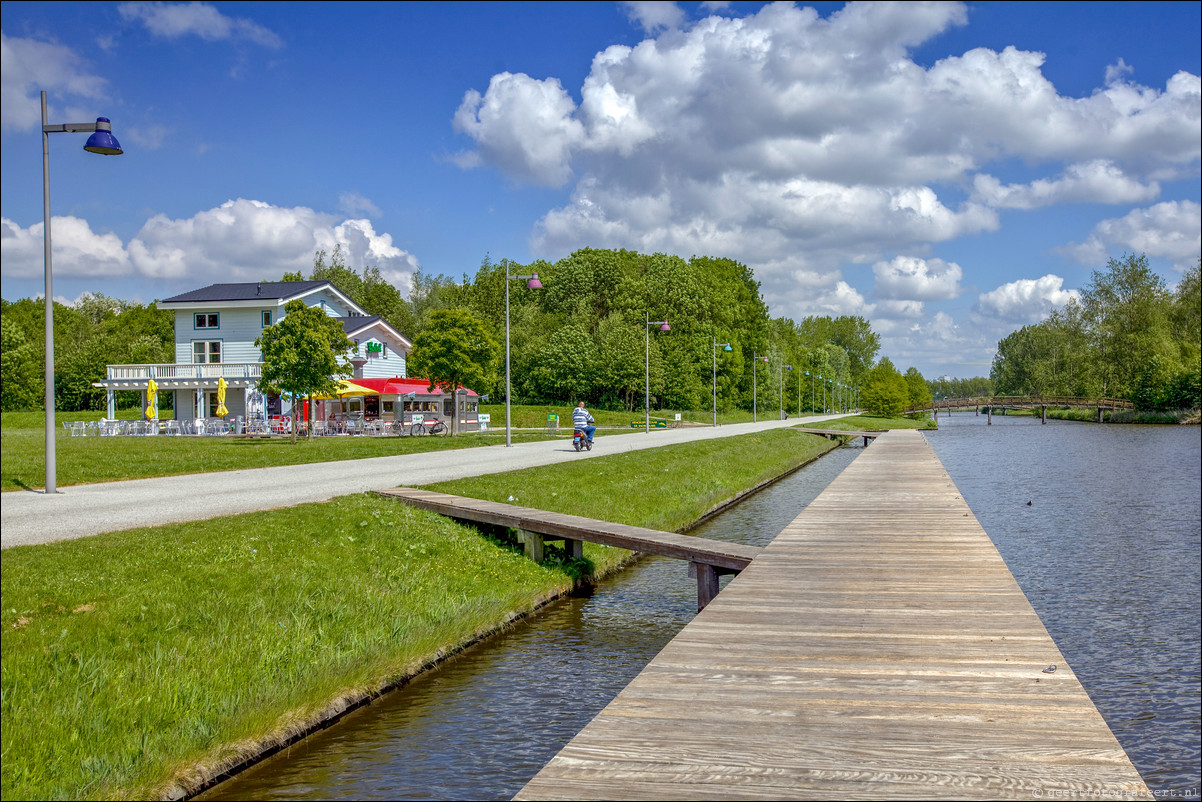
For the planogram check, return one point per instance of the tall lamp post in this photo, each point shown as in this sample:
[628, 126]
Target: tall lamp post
[799, 372]
[755, 396]
[533, 284]
[783, 368]
[103, 142]
[813, 407]
[724, 347]
[663, 326]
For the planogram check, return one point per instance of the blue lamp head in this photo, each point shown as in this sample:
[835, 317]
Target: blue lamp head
[103, 141]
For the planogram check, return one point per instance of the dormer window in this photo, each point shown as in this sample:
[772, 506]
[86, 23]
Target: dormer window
[207, 320]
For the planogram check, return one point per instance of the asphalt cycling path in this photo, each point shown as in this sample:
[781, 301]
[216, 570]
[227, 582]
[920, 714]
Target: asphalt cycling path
[32, 517]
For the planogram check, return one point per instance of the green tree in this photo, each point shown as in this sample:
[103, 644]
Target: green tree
[565, 370]
[885, 393]
[21, 382]
[456, 350]
[1127, 308]
[305, 353]
[919, 392]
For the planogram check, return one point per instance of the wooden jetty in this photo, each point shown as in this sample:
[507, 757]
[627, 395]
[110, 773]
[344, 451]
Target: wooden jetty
[878, 648]
[708, 559]
[831, 434]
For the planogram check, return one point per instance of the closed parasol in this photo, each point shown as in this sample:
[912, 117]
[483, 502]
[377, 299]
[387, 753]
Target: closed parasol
[221, 409]
[152, 390]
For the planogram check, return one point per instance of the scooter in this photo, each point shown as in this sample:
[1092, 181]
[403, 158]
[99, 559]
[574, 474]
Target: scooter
[580, 440]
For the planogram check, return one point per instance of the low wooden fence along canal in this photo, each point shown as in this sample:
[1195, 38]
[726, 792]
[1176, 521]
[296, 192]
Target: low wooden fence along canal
[878, 648]
[708, 559]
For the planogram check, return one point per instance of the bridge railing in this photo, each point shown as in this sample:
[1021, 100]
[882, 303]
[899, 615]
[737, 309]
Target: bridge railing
[1025, 402]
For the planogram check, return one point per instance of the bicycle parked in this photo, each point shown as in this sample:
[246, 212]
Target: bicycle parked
[428, 427]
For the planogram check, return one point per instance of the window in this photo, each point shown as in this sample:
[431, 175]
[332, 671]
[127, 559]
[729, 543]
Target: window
[207, 320]
[206, 351]
[266, 318]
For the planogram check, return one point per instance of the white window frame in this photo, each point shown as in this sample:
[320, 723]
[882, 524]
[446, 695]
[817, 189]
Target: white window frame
[206, 349]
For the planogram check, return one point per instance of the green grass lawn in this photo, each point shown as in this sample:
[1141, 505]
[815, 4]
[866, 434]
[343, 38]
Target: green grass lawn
[82, 460]
[138, 660]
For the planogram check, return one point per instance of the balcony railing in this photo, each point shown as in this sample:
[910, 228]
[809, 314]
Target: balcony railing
[217, 370]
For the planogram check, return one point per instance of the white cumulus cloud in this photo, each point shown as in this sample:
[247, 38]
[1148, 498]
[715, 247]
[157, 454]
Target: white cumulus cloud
[1171, 230]
[244, 240]
[76, 250]
[908, 278]
[1025, 301]
[802, 144]
[1097, 181]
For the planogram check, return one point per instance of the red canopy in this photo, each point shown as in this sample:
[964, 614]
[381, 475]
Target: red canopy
[399, 386]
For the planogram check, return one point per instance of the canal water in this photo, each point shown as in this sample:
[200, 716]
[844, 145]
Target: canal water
[1107, 552]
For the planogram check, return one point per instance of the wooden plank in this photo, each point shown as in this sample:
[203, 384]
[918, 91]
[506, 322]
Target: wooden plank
[879, 648]
[728, 556]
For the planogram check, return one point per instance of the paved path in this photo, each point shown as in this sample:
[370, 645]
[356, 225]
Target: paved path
[878, 648]
[81, 510]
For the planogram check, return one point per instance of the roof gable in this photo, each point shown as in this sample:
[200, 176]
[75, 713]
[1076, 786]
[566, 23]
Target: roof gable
[248, 291]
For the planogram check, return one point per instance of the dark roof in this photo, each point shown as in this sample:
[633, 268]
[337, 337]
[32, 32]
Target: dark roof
[357, 322]
[249, 291]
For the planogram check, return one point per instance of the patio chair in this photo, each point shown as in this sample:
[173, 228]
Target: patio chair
[79, 429]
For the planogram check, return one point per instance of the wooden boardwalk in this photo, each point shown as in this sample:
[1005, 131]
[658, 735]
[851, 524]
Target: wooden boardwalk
[878, 648]
[707, 558]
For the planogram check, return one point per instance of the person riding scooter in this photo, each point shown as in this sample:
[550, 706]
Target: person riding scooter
[583, 421]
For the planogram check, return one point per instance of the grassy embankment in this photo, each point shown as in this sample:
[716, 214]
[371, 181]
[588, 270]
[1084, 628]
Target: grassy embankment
[139, 660]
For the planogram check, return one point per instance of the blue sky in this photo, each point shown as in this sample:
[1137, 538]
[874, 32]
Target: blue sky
[949, 171]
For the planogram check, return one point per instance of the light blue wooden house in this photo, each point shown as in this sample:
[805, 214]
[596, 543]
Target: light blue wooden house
[215, 332]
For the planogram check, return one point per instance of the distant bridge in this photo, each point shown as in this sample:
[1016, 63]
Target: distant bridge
[1004, 402]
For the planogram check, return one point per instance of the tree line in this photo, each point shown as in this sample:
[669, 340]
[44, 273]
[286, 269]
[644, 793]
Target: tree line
[95, 332]
[1128, 337]
[581, 337]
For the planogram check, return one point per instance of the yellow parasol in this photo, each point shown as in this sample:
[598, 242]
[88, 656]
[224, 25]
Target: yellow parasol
[152, 390]
[221, 410]
[347, 389]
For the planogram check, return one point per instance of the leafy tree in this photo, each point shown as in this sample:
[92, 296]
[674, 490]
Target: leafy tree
[21, 382]
[885, 392]
[919, 392]
[456, 350]
[565, 371]
[305, 353]
[1127, 308]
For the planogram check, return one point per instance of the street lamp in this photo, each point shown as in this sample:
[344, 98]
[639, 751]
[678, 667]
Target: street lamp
[812, 403]
[799, 372]
[783, 368]
[663, 326]
[724, 347]
[755, 399]
[103, 142]
[533, 284]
